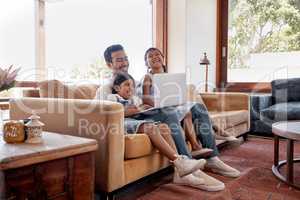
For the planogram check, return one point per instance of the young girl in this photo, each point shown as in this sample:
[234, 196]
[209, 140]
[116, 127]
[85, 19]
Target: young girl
[154, 62]
[123, 89]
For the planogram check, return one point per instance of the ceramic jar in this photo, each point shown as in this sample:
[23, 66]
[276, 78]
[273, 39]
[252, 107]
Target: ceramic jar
[34, 130]
[13, 132]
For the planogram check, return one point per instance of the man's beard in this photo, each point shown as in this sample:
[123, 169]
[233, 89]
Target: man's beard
[124, 69]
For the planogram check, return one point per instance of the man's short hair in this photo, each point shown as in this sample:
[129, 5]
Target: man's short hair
[109, 50]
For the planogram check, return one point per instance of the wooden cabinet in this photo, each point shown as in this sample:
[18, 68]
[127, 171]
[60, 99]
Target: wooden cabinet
[60, 168]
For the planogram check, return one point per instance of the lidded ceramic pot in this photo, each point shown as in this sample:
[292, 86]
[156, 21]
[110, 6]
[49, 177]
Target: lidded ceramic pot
[34, 130]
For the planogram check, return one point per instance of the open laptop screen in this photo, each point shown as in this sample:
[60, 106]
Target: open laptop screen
[169, 89]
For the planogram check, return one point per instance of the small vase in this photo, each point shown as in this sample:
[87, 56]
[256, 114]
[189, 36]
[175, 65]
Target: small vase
[34, 130]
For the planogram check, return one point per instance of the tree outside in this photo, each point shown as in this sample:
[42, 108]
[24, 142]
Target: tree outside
[94, 71]
[261, 26]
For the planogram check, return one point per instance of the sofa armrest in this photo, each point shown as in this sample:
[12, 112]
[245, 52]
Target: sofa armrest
[259, 102]
[99, 120]
[220, 101]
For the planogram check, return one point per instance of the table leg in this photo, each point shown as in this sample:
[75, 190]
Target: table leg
[276, 150]
[290, 157]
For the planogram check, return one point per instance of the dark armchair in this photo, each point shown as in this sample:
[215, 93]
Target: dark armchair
[283, 104]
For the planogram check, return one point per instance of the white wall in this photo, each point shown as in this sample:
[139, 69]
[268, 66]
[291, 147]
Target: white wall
[176, 35]
[201, 37]
[192, 31]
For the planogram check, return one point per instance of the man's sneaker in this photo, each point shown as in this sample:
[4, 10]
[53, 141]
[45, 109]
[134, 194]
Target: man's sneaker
[210, 184]
[185, 165]
[218, 166]
[231, 139]
[188, 180]
[204, 153]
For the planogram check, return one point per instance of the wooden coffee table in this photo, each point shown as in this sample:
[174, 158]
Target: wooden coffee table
[289, 130]
[62, 167]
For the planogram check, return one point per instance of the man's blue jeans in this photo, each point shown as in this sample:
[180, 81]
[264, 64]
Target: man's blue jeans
[203, 128]
[202, 124]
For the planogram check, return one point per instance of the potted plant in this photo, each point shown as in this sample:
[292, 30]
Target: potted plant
[7, 81]
[8, 78]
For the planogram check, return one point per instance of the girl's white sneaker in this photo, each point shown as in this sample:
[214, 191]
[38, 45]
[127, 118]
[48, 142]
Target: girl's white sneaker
[185, 165]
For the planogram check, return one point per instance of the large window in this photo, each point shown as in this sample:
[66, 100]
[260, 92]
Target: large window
[17, 39]
[17, 36]
[78, 31]
[262, 39]
[65, 39]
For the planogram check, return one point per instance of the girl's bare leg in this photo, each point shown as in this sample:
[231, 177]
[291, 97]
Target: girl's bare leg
[166, 133]
[184, 165]
[158, 141]
[189, 131]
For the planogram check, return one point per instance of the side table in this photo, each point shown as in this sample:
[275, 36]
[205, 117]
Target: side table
[62, 167]
[289, 130]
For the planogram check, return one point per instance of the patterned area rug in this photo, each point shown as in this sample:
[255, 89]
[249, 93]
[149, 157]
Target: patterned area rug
[254, 159]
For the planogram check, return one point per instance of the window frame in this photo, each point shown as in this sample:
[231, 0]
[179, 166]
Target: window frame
[160, 26]
[222, 57]
[159, 40]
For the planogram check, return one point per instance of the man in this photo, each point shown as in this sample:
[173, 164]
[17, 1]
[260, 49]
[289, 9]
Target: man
[117, 60]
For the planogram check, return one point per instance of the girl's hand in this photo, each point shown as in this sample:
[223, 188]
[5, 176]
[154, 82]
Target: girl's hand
[131, 110]
[144, 107]
[131, 107]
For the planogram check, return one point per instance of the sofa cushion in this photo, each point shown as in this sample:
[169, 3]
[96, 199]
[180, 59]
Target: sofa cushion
[56, 89]
[193, 94]
[237, 130]
[137, 145]
[35, 93]
[53, 89]
[84, 91]
[286, 90]
[228, 119]
[141, 167]
[259, 102]
[282, 111]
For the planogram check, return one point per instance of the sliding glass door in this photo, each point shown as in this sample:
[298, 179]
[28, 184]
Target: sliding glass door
[263, 40]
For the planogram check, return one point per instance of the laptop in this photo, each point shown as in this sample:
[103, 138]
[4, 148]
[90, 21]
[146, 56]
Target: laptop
[169, 90]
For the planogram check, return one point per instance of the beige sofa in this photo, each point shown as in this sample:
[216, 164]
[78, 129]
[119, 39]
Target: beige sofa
[121, 159]
[229, 111]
